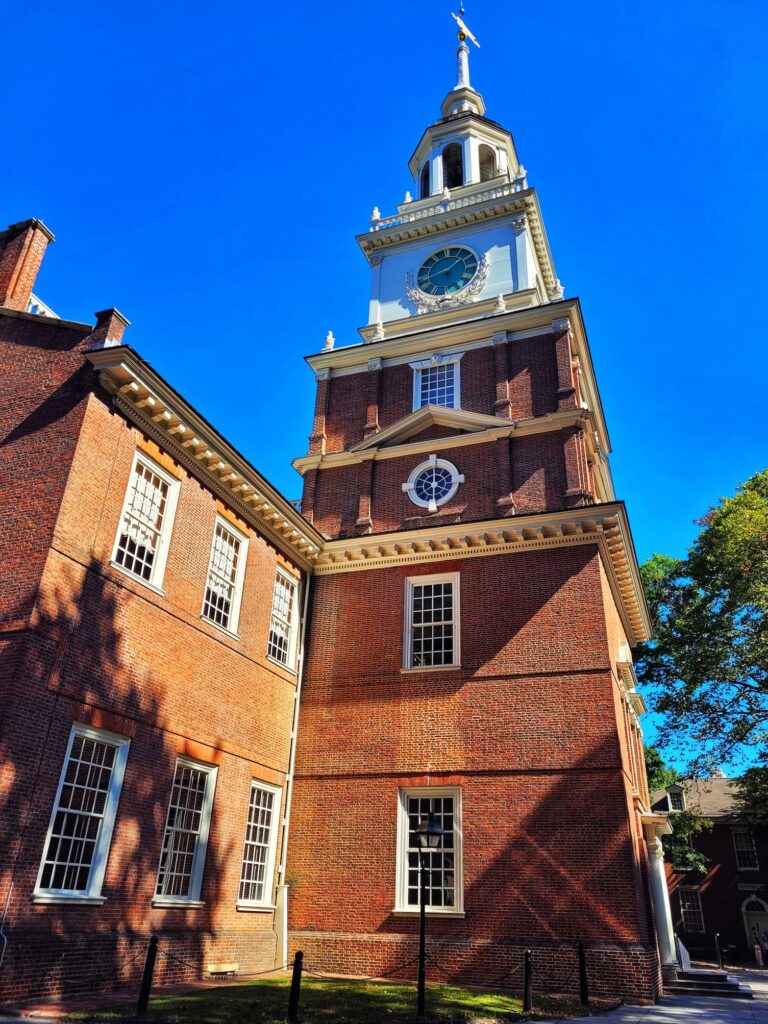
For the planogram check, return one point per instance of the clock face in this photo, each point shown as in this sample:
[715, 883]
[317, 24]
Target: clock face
[447, 271]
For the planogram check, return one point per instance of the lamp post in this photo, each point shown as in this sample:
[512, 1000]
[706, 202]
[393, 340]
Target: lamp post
[428, 835]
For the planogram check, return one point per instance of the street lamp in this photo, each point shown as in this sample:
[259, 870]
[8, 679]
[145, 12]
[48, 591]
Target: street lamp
[429, 833]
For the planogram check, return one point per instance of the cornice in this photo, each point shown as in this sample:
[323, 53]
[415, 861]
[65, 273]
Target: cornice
[460, 212]
[161, 413]
[603, 525]
[497, 430]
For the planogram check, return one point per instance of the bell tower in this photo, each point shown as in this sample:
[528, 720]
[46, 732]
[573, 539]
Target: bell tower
[474, 603]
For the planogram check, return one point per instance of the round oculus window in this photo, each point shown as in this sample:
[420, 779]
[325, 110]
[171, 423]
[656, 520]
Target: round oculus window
[433, 483]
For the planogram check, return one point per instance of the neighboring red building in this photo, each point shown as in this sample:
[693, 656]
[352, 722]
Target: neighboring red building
[474, 593]
[730, 897]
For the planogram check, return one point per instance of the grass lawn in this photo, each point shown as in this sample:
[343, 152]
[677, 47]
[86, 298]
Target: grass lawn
[340, 1001]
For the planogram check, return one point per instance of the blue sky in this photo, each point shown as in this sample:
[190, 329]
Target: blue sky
[206, 167]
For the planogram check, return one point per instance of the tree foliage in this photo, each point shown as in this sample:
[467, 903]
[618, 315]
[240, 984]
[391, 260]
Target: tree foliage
[707, 665]
[678, 848]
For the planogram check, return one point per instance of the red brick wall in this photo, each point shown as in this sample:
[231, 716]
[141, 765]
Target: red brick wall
[43, 384]
[527, 727]
[102, 648]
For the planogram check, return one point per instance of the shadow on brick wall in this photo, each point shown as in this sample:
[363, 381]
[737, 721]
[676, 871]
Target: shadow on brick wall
[72, 663]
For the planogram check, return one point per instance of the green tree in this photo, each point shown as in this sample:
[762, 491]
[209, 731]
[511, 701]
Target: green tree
[707, 665]
[678, 847]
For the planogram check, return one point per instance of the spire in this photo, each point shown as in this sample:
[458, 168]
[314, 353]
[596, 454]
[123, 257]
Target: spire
[463, 97]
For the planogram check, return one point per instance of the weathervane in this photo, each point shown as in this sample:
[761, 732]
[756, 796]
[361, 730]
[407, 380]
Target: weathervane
[464, 32]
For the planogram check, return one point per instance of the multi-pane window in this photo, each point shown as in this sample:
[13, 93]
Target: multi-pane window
[260, 839]
[746, 851]
[221, 603]
[431, 621]
[145, 524]
[83, 816]
[690, 908]
[437, 381]
[186, 832]
[437, 385]
[442, 864]
[281, 645]
[676, 800]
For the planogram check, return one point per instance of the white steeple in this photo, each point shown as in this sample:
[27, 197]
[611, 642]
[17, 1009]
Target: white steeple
[463, 97]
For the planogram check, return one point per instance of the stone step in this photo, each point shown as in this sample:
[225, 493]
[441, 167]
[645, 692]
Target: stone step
[730, 989]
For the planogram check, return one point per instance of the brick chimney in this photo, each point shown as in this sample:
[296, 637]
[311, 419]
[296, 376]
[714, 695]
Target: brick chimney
[22, 247]
[109, 329]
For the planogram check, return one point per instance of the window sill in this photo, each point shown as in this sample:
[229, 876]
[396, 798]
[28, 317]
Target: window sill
[280, 664]
[430, 912]
[61, 898]
[220, 629]
[170, 903]
[136, 579]
[243, 906]
[430, 668]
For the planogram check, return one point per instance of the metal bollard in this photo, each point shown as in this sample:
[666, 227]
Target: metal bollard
[149, 973]
[293, 998]
[528, 982]
[718, 951]
[583, 986]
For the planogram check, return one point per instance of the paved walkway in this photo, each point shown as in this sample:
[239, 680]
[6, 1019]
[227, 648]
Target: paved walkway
[672, 1009]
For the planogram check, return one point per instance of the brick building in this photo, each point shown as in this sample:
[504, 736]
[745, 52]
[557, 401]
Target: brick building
[470, 593]
[729, 897]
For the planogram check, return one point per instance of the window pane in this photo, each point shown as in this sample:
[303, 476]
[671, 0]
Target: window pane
[432, 624]
[436, 385]
[258, 836]
[222, 577]
[746, 852]
[676, 801]
[182, 830]
[690, 906]
[142, 522]
[282, 622]
[78, 816]
[439, 863]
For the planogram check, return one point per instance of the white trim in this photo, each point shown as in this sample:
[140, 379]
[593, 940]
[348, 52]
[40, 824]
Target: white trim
[237, 591]
[416, 581]
[401, 868]
[433, 462]
[435, 360]
[290, 662]
[92, 892]
[697, 890]
[201, 843]
[269, 868]
[161, 555]
[744, 830]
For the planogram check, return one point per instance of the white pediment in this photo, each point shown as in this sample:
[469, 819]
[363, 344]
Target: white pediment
[459, 420]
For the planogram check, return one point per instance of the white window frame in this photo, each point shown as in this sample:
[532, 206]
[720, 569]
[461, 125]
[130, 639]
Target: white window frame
[269, 868]
[750, 835]
[676, 790]
[201, 845]
[401, 871]
[697, 890]
[410, 584]
[237, 593]
[92, 892]
[438, 359]
[409, 487]
[293, 634]
[155, 580]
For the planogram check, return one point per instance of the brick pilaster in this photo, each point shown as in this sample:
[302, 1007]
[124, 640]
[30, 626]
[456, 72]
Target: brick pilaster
[318, 438]
[502, 405]
[372, 385]
[566, 392]
[576, 468]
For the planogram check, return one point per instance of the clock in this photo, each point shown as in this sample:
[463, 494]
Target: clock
[447, 271]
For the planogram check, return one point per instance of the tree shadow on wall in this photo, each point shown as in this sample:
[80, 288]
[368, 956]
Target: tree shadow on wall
[74, 663]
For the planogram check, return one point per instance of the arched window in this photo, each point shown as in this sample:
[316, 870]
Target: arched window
[424, 181]
[487, 163]
[453, 166]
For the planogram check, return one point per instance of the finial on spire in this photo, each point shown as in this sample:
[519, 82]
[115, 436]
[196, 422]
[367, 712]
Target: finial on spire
[463, 96]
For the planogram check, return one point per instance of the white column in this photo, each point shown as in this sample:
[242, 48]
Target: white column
[437, 172]
[663, 912]
[471, 160]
